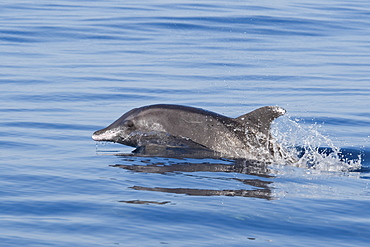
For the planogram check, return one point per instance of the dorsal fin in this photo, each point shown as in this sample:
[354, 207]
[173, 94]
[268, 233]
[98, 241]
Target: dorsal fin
[261, 118]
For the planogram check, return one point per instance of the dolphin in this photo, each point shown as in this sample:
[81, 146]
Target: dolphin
[164, 126]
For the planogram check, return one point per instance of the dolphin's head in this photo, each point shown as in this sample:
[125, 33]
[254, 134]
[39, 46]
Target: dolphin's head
[131, 129]
[122, 130]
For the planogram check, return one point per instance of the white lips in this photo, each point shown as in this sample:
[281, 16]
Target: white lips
[96, 137]
[105, 136]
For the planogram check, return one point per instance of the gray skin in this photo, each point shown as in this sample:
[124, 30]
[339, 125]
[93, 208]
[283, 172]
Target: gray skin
[247, 136]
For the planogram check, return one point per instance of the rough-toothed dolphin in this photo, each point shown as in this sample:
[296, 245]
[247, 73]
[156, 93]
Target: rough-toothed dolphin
[247, 136]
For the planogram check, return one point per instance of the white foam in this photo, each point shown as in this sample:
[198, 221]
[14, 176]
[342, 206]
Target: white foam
[307, 144]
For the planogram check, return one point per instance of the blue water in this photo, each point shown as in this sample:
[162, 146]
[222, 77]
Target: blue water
[69, 68]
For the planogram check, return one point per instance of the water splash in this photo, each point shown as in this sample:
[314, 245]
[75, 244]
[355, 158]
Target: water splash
[312, 149]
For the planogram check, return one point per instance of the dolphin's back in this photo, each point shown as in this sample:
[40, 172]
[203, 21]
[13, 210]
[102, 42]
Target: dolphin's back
[184, 109]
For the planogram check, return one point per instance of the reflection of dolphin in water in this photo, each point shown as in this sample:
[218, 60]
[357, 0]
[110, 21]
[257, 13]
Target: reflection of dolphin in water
[258, 193]
[170, 130]
[242, 166]
[259, 169]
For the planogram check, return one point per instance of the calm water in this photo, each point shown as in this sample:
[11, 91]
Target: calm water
[69, 68]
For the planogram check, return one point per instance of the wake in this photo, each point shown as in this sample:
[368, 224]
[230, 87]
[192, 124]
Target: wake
[312, 149]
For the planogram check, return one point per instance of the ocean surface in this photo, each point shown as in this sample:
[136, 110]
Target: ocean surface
[69, 68]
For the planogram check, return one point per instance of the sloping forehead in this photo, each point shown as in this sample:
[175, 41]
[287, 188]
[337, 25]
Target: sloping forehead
[124, 117]
[131, 112]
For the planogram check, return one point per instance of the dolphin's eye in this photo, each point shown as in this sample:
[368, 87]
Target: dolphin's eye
[129, 124]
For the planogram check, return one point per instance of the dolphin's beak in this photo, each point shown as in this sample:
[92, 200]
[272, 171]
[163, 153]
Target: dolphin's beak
[96, 137]
[103, 135]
